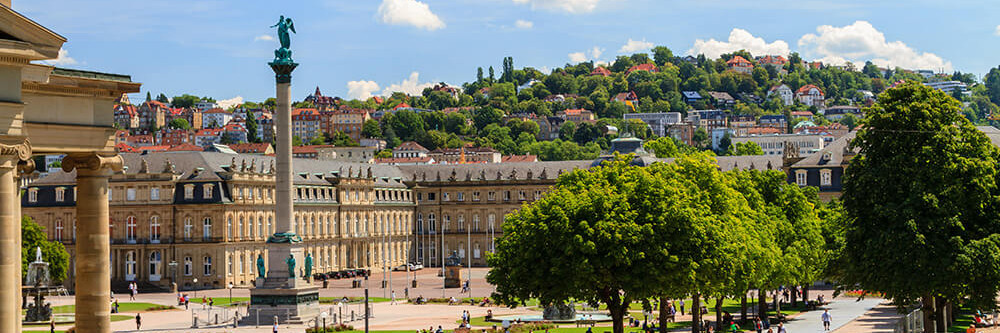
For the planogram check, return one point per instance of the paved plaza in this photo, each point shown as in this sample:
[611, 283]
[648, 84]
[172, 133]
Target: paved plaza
[850, 315]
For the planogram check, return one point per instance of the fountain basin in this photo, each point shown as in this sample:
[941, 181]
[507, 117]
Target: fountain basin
[598, 317]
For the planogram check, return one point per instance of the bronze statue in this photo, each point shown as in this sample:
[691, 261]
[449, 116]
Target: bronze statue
[291, 265]
[260, 266]
[309, 265]
[284, 54]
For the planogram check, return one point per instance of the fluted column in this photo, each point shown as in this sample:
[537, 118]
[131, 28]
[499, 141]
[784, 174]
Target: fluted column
[14, 151]
[93, 240]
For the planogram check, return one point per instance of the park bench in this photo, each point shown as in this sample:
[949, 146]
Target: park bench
[585, 323]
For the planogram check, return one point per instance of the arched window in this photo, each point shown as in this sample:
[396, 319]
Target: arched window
[130, 266]
[260, 226]
[207, 265]
[155, 264]
[430, 222]
[229, 227]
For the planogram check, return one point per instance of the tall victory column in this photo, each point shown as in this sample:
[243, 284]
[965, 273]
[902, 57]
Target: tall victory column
[282, 294]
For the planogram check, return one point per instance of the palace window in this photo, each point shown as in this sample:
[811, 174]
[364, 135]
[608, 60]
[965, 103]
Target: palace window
[154, 193]
[475, 196]
[130, 194]
[420, 196]
[825, 177]
[461, 222]
[490, 221]
[187, 266]
[60, 194]
[445, 196]
[154, 229]
[207, 265]
[420, 222]
[461, 196]
[538, 195]
[430, 222]
[229, 228]
[130, 265]
[491, 196]
[800, 177]
[430, 196]
[229, 264]
[521, 196]
[207, 191]
[130, 229]
[446, 223]
[59, 230]
[189, 191]
[476, 252]
[206, 228]
[187, 228]
[239, 228]
[506, 195]
[260, 227]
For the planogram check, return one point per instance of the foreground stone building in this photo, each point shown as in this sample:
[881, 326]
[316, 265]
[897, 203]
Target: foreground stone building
[181, 216]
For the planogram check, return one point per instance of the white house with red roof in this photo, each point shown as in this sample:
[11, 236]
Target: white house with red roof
[740, 64]
[409, 149]
[235, 132]
[783, 92]
[306, 123]
[810, 95]
[599, 70]
[207, 137]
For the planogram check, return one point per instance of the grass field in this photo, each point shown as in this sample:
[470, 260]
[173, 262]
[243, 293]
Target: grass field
[963, 321]
[122, 307]
[226, 301]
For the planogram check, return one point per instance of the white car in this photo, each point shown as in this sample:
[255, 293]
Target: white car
[410, 266]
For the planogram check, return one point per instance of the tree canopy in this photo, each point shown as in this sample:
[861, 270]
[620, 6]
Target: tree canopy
[33, 236]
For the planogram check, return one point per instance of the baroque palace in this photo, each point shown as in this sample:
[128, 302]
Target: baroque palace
[201, 218]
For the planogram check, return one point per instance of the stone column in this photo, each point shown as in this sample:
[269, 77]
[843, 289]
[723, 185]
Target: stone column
[284, 213]
[13, 151]
[93, 241]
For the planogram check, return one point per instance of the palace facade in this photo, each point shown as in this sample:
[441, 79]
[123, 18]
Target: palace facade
[202, 218]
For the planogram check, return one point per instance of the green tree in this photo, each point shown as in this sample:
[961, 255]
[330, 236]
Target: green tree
[744, 148]
[371, 129]
[252, 127]
[162, 98]
[992, 82]
[184, 101]
[318, 140]
[179, 123]
[567, 131]
[296, 140]
[662, 55]
[921, 197]
[700, 137]
[33, 236]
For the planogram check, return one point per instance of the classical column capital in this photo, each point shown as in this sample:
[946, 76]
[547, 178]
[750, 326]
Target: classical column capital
[93, 162]
[17, 147]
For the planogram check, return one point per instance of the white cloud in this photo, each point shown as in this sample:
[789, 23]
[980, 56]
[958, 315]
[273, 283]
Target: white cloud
[632, 46]
[739, 39]
[361, 90]
[522, 24]
[578, 57]
[997, 32]
[227, 103]
[410, 86]
[63, 59]
[263, 37]
[569, 6]
[409, 12]
[860, 41]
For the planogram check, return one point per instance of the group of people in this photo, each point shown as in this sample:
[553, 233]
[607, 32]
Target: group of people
[133, 289]
[432, 330]
[466, 318]
[982, 321]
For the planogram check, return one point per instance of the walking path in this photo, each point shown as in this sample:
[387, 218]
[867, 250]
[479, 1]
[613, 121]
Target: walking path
[843, 310]
[880, 319]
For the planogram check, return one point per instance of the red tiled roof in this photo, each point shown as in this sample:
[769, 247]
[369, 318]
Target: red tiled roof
[250, 148]
[762, 130]
[215, 110]
[519, 158]
[643, 67]
[801, 114]
[410, 145]
[739, 61]
[805, 89]
[401, 105]
[600, 71]
[125, 148]
[305, 111]
[155, 148]
[185, 147]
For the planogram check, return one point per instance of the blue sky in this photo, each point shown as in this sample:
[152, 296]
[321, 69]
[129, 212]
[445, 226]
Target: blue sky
[363, 47]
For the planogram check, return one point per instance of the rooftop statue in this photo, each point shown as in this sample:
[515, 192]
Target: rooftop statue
[284, 54]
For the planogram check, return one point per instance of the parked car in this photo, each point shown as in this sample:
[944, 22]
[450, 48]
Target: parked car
[410, 266]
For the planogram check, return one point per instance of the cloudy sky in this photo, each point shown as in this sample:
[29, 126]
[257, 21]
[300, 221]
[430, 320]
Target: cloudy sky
[359, 48]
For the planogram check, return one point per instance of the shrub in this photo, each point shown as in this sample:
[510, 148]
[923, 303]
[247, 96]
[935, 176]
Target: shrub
[334, 328]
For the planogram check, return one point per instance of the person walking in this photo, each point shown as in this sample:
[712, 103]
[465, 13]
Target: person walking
[759, 325]
[826, 319]
[138, 322]
[682, 307]
[781, 328]
[393, 298]
[274, 329]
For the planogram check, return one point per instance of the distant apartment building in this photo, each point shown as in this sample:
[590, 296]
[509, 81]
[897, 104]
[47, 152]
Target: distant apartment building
[807, 144]
[783, 92]
[658, 122]
[577, 115]
[465, 155]
[152, 115]
[740, 65]
[349, 121]
[810, 95]
[306, 124]
[709, 119]
[173, 136]
[950, 86]
[215, 118]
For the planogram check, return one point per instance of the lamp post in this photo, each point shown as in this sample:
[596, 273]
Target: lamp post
[195, 287]
[366, 303]
[230, 293]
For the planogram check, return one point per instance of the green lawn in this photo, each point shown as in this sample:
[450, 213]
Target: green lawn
[226, 301]
[114, 317]
[122, 307]
[326, 300]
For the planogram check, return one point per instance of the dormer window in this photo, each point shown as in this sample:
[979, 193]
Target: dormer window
[60, 194]
[130, 194]
[207, 191]
[189, 191]
[33, 194]
[154, 193]
[825, 177]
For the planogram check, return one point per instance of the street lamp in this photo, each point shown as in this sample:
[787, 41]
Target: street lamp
[173, 269]
[195, 287]
[230, 293]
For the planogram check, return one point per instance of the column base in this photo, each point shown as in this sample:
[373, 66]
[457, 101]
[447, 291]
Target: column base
[290, 301]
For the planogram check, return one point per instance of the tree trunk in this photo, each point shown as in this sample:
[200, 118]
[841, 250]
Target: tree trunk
[927, 308]
[663, 314]
[696, 313]
[761, 305]
[617, 317]
[793, 291]
[743, 308]
[805, 293]
[940, 316]
[718, 314]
